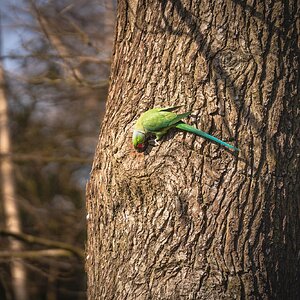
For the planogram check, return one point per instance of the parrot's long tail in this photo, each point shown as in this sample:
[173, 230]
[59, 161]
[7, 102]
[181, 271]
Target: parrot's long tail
[186, 127]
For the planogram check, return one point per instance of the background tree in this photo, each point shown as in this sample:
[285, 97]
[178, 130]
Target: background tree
[188, 219]
[8, 193]
[56, 84]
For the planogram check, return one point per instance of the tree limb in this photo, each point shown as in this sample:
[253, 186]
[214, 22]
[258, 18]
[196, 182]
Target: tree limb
[30, 239]
[45, 158]
[35, 253]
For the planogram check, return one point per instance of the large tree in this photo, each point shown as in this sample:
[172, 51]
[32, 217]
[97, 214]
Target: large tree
[188, 219]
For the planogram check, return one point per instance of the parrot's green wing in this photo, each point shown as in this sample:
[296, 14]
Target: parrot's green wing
[156, 120]
[179, 118]
[170, 108]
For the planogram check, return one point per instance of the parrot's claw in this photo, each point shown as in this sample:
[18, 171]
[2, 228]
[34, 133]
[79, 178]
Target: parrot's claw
[154, 142]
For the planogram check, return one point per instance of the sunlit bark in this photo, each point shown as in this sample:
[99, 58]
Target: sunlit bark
[188, 219]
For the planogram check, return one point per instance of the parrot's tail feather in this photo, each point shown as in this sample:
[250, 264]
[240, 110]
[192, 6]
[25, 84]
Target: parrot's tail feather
[186, 127]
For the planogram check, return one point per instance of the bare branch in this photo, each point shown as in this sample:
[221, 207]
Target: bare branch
[42, 158]
[42, 241]
[71, 71]
[35, 254]
[67, 80]
[81, 58]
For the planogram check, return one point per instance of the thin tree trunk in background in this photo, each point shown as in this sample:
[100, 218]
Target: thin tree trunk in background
[187, 219]
[8, 195]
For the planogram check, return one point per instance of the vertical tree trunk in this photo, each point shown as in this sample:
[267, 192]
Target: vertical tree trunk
[8, 195]
[188, 219]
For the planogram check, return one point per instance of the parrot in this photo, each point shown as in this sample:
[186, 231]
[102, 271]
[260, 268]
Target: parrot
[158, 121]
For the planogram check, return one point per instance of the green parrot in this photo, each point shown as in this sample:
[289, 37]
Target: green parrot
[158, 121]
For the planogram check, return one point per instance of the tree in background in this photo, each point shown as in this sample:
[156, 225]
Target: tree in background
[8, 195]
[188, 219]
[56, 84]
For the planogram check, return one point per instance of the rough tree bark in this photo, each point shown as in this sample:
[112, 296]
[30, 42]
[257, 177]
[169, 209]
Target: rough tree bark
[188, 219]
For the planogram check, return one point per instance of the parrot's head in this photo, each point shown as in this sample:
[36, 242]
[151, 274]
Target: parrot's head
[138, 140]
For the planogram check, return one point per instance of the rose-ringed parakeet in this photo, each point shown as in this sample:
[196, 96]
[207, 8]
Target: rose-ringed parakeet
[158, 121]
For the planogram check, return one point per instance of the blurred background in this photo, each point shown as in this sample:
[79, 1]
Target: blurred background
[54, 69]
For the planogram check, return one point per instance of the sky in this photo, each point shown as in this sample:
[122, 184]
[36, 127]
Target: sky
[11, 34]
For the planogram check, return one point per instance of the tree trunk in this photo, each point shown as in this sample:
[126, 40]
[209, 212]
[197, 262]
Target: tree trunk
[8, 194]
[188, 219]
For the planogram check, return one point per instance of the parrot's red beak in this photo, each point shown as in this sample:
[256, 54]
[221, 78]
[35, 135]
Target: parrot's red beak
[140, 146]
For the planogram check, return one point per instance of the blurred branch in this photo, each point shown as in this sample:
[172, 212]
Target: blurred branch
[42, 79]
[63, 52]
[59, 263]
[84, 37]
[81, 58]
[30, 239]
[35, 253]
[55, 41]
[40, 158]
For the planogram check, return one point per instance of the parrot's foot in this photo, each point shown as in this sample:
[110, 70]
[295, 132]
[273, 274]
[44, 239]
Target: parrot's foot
[154, 142]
